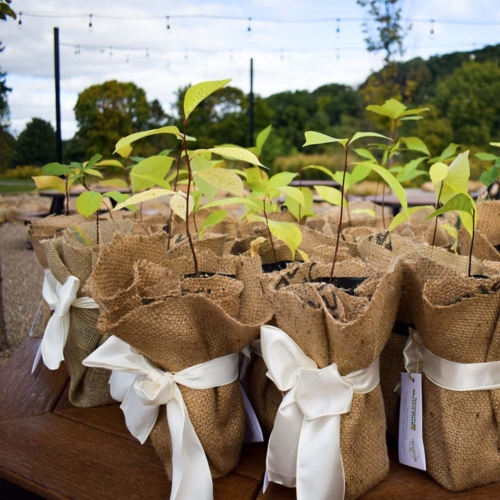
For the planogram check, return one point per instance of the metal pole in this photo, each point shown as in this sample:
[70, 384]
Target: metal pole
[250, 107]
[57, 76]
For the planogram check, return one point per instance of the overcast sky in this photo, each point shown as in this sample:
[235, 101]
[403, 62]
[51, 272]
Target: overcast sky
[286, 56]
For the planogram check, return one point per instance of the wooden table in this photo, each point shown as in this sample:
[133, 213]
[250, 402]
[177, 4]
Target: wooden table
[51, 449]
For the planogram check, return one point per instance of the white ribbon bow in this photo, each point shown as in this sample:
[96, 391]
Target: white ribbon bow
[448, 374]
[60, 299]
[304, 447]
[142, 388]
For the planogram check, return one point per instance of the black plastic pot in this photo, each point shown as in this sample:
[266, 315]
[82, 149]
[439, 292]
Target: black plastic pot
[402, 328]
[275, 266]
[347, 284]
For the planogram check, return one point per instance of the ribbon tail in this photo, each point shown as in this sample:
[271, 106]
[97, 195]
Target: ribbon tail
[320, 471]
[283, 446]
[120, 383]
[191, 476]
[54, 340]
[139, 418]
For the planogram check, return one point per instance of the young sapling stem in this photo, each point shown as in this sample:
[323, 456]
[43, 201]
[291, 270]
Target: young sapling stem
[472, 240]
[389, 163]
[339, 227]
[437, 206]
[105, 204]
[190, 178]
[175, 189]
[269, 231]
[300, 188]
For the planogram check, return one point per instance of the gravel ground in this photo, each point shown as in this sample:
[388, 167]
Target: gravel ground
[22, 286]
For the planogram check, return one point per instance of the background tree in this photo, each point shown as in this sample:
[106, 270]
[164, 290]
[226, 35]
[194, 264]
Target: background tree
[5, 12]
[107, 112]
[36, 144]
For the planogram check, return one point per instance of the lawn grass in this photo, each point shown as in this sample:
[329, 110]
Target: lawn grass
[10, 186]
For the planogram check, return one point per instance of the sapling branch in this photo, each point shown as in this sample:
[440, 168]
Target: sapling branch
[66, 186]
[175, 189]
[190, 178]
[437, 206]
[339, 227]
[300, 187]
[472, 240]
[269, 231]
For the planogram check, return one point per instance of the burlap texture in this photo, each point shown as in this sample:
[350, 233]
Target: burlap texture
[332, 326]
[177, 320]
[73, 254]
[461, 430]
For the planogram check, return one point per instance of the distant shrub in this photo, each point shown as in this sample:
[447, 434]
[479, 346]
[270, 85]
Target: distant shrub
[24, 172]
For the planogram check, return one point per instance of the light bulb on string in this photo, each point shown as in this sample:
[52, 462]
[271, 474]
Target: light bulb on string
[473, 54]
[168, 25]
[249, 29]
[77, 50]
[90, 23]
[337, 31]
[20, 22]
[147, 53]
[110, 51]
[432, 28]
[126, 58]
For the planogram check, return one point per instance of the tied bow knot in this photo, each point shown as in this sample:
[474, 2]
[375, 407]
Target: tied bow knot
[142, 388]
[60, 299]
[304, 447]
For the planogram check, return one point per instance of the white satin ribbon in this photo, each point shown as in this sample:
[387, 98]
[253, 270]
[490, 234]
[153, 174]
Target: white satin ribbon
[448, 374]
[304, 447]
[60, 299]
[142, 388]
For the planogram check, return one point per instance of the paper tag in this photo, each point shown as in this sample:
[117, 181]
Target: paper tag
[411, 443]
[253, 431]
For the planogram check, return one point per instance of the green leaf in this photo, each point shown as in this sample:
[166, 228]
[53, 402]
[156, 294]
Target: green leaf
[313, 138]
[486, 156]
[212, 220]
[495, 144]
[457, 180]
[488, 177]
[238, 154]
[178, 204]
[321, 169]
[438, 172]
[391, 181]
[120, 198]
[256, 179]
[295, 209]
[279, 180]
[88, 203]
[391, 108]
[109, 163]
[262, 138]
[120, 183]
[447, 153]
[49, 182]
[233, 201]
[56, 169]
[405, 216]
[463, 203]
[151, 180]
[409, 176]
[144, 196]
[416, 111]
[94, 172]
[416, 144]
[365, 153]
[293, 193]
[200, 91]
[155, 166]
[199, 163]
[330, 195]
[222, 179]
[126, 141]
[92, 161]
[165, 152]
[359, 172]
[124, 151]
[360, 135]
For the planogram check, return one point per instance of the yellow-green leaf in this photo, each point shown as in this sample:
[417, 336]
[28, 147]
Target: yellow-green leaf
[294, 193]
[391, 108]
[126, 141]
[366, 211]
[463, 203]
[457, 180]
[452, 231]
[155, 166]
[438, 172]
[94, 172]
[145, 196]
[404, 216]
[360, 135]
[495, 144]
[313, 138]
[416, 144]
[287, 232]
[304, 255]
[330, 195]
[279, 180]
[233, 201]
[200, 91]
[222, 179]
[88, 203]
[212, 220]
[109, 163]
[50, 182]
[298, 211]
[262, 138]
[321, 169]
[238, 154]
[178, 204]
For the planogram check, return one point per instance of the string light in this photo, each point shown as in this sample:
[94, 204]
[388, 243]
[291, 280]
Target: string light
[77, 50]
[20, 22]
[111, 51]
[338, 28]
[147, 53]
[90, 23]
[249, 29]
[432, 28]
[168, 24]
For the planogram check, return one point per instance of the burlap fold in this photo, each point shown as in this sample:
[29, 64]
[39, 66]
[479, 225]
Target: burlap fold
[177, 320]
[349, 328]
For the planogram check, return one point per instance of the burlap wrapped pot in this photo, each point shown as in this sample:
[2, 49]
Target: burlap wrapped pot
[350, 329]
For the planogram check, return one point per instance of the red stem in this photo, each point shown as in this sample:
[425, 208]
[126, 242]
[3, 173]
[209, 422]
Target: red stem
[437, 206]
[472, 241]
[269, 231]
[175, 189]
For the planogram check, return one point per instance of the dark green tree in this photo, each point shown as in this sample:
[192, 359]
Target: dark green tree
[36, 144]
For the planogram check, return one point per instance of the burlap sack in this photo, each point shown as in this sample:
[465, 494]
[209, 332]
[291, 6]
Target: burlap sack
[186, 322]
[332, 326]
[74, 254]
[461, 429]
